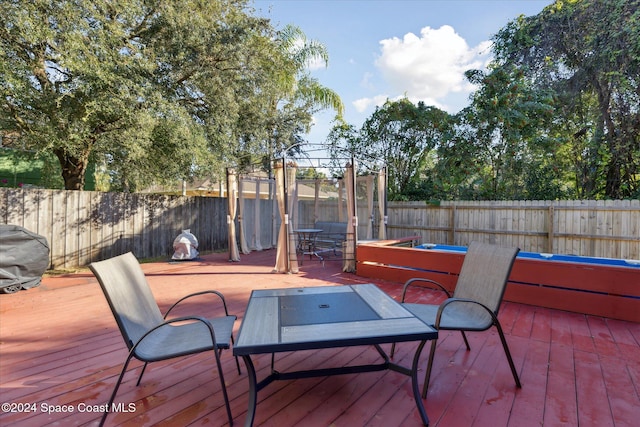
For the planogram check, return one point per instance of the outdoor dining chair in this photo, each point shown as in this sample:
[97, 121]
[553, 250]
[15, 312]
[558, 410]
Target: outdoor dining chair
[475, 301]
[149, 336]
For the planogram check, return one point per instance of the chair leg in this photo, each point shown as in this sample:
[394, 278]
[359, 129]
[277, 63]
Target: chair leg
[115, 390]
[142, 373]
[393, 349]
[427, 375]
[238, 365]
[237, 362]
[224, 387]
[508, 353]
[466, 342]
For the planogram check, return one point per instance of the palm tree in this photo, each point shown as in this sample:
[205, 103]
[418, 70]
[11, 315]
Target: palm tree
[301, 53]
[299, 94]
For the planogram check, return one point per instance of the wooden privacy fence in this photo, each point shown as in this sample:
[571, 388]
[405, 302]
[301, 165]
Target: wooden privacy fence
[82, 226]
[609, 228]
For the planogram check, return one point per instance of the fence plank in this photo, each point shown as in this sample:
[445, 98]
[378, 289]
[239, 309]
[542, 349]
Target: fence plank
[15, 207]
[4, 208]
[45, 217]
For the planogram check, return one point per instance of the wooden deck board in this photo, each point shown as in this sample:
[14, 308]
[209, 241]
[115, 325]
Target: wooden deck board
[560, 403]
[591, 390]
[59, 345]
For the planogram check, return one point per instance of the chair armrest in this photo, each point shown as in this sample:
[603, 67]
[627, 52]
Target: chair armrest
[420, 279]
[450, 301]
[224, 303]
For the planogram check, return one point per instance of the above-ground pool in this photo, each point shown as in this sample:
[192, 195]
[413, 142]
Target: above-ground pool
[588, 285]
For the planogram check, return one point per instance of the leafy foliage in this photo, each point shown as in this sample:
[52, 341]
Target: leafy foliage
[151, 90]
[504, 134]
[557, 115]
[588, 52]
[399, 134]
[298, 95]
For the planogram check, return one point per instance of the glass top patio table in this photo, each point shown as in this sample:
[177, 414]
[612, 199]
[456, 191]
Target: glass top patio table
[295, 319]
[307, 242]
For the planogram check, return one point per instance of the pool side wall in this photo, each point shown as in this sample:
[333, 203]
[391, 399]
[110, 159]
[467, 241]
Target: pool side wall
[599, 290]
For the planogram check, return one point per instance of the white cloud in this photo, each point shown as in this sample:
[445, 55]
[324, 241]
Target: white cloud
[363, 104]
[431, 66]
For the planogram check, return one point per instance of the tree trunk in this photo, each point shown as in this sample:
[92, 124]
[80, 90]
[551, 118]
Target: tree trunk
[73, 169]
[612, 186]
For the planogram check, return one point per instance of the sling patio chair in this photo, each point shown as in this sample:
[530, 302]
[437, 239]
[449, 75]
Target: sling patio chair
[475, 301]
[149, 336]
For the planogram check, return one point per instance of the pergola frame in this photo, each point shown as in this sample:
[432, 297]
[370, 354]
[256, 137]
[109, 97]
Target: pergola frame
[286, 195]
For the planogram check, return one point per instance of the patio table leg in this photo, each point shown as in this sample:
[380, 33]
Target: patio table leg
[253, 391]
[416, 387]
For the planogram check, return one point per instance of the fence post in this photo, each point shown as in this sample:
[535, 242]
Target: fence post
[550, 234]
[452, 221]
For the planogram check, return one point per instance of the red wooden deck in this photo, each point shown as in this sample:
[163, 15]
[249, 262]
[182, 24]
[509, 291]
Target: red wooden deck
[60, 350]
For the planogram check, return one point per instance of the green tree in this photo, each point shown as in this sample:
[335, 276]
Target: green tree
[588, 52]
[401, 135]
[504, 138]
[295, 82]
[298, 95]
[310, 173]
[289, 98]
[154, 89]
[343, 143]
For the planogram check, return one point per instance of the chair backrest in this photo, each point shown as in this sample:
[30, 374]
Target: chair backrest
[484, 274]
[129, 296]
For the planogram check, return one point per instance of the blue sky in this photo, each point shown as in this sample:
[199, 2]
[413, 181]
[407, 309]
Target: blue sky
[382, 49]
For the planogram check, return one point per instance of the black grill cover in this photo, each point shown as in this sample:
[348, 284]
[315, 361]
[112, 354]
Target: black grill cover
[24, 257]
